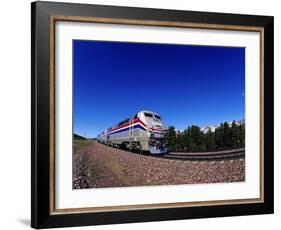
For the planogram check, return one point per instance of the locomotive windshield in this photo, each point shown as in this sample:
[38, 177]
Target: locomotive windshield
[157, 117]
[148, 114]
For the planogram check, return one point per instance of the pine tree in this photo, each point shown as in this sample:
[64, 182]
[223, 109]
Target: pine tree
[234, 135]
[241, 136]
[226, 135]
[171, 138]
[219, 136]
[210, 140]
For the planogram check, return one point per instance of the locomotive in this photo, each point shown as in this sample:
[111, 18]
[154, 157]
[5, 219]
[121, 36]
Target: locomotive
[145, 131]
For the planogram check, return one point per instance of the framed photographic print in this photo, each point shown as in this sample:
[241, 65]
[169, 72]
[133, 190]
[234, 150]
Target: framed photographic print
[147, 114]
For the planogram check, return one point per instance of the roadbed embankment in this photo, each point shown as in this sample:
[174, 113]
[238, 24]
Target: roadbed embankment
[97, 166]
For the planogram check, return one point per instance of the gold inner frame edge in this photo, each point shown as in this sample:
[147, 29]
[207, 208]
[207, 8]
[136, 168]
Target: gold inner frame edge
[53, 19]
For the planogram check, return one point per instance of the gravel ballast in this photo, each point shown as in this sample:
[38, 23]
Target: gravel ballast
[99, 166]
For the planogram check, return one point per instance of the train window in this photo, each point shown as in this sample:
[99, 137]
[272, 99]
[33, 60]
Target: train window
[148, 114]
[136, 116]
[157, 117]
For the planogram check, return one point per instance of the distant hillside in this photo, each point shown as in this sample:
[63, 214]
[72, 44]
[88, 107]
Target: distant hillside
[78, 137]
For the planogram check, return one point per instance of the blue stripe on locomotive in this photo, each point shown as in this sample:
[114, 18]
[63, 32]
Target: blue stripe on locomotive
[135, 127]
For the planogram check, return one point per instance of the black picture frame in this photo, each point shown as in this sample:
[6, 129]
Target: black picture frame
[41, 171]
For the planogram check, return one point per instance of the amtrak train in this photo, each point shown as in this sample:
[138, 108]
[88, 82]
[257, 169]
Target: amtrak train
[145, 131]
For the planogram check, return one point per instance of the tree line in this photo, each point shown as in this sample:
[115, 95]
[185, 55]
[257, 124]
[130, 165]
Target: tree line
[193, 139]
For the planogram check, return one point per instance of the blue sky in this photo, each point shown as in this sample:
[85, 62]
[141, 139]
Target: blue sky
[185, 84]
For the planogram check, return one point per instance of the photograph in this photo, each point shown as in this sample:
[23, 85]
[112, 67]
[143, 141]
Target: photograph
[152, 114]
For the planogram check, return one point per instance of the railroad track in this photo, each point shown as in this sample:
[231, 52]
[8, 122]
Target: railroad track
[230, 154]
[199, 156]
